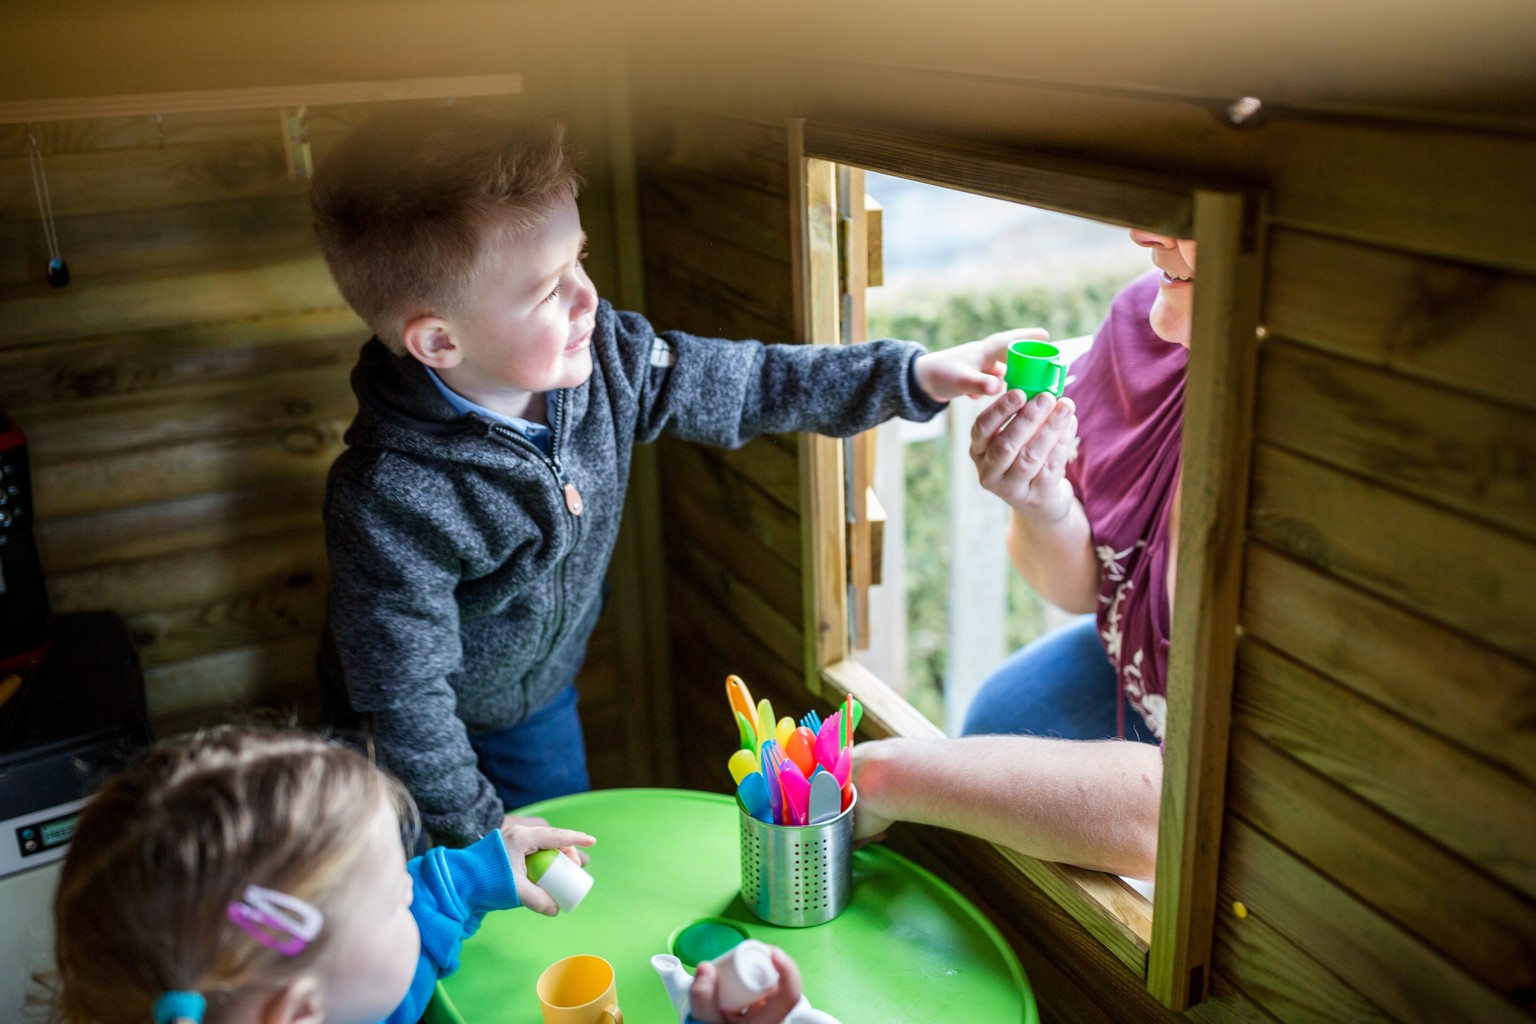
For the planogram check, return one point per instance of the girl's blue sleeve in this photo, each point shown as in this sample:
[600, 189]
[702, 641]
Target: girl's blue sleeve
[454, 889]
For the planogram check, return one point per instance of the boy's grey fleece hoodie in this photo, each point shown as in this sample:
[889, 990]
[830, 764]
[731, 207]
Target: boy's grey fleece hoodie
[467, 567]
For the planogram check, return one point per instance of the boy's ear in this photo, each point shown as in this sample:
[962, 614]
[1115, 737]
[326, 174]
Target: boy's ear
[430, 341]
[298, 1002]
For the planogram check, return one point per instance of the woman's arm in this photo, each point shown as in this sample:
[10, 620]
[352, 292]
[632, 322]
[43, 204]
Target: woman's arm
[1021, 450]
[1092, 804]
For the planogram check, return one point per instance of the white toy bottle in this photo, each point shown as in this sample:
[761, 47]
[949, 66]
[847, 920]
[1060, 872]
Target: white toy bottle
[745, 974]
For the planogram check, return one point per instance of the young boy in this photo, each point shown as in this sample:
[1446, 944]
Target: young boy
[470, 523]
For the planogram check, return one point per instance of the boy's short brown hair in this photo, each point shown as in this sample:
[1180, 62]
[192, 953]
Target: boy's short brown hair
[401, 206]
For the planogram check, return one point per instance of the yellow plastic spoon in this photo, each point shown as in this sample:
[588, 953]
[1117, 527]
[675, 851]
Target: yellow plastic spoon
[742, 764]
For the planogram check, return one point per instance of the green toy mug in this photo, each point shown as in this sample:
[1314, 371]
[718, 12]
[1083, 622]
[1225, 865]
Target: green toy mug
[1035, 366]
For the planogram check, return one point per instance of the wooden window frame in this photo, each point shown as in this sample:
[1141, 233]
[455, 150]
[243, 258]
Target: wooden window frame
[1166, 943]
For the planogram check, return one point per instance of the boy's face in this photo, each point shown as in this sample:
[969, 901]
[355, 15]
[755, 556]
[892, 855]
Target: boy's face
[527, 326]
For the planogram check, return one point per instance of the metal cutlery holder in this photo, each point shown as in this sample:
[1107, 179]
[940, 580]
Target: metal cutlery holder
[797, 876]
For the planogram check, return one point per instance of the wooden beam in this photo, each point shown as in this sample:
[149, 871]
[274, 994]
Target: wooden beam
[279, 96]
[1218, 428]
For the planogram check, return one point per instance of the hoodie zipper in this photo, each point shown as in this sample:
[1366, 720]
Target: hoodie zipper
[552, 462]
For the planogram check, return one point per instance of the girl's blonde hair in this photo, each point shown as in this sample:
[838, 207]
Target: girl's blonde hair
[165, 847]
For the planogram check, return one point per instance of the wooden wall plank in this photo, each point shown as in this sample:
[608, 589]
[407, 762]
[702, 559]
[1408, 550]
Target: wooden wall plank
[1279, 975]
[231, 684]
[744, 216]
[1461, 801]
[150, 360]
[100, 247]
[1484, 927]
[725, 496]
[755, 282]
[726, 149]
[134, 179]
[190, 578]
[681, 304]
[288, 456]
[765, 571]
[1455, 571]
[223, 409]
[1475, 456]
[770, 465]
[123, 305]
[1439, 678]
[1385, 964]
[161, 527]
[734, 599]
[1437, 320]
[293, 608]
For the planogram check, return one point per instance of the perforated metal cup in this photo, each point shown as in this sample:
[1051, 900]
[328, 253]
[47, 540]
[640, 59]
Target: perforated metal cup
[797, 876]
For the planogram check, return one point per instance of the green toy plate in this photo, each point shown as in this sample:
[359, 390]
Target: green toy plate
[908, 948]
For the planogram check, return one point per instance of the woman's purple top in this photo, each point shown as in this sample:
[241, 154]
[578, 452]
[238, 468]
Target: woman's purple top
[1129, 392]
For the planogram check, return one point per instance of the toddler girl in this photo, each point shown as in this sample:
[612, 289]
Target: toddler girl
[254, 875]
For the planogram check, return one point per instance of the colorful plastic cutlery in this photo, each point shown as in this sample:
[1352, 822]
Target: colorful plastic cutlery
[747, 731]
[811, 720]
[826, 741]
[783, 729]
[826, 798]
[740, 697]
[764, 723]
[801, 749]
[797, 792]
[770, 755]
[742, 764]
[753, 793]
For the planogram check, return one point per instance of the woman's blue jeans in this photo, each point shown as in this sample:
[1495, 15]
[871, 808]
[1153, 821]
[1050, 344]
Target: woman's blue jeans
[1061, 685]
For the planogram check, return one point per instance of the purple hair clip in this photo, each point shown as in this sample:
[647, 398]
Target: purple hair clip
[277, 920]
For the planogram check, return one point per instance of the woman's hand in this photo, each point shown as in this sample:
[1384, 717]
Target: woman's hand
[1021, 450]
[975, 368]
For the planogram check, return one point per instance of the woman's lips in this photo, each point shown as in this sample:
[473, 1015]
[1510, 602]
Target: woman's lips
[1168, 278]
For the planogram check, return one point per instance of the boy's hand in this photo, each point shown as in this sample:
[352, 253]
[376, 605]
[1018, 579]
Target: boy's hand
[975, 368]
[521, 840]
[704, 999]
[1021, 450]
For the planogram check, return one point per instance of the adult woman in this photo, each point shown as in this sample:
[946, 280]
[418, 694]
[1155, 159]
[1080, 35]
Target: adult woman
[1092, 484]
[1094, 528]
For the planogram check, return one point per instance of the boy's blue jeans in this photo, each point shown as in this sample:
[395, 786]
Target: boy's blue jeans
[540, 757]
[1060, 685]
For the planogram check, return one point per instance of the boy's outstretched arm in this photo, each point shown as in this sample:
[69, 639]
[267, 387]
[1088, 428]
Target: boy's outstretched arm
[973, 369]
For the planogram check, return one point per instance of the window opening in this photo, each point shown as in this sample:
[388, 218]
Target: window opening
[958, 266]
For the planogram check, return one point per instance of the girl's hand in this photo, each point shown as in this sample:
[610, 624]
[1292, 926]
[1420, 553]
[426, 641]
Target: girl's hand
[1021, 450]
[704, 999]
[975, 368]
[522, 840]
[579, 856]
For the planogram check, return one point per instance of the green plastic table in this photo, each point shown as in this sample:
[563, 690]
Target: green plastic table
[907, 949]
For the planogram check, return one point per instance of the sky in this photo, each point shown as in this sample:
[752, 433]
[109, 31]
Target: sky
[944, 240]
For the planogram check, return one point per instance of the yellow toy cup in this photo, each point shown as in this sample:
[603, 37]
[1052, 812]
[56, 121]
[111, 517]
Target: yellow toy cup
[579, 990]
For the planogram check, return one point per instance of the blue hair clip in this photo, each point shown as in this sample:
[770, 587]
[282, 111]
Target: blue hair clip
[178, 1006]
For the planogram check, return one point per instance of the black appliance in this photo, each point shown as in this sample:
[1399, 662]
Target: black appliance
[25, 617]
[24, 611]
[82, 717]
